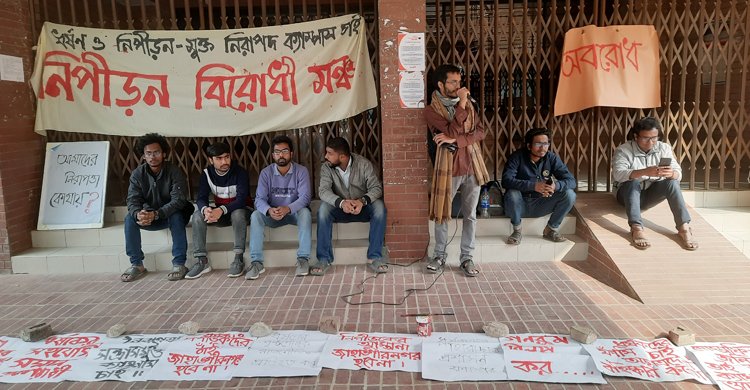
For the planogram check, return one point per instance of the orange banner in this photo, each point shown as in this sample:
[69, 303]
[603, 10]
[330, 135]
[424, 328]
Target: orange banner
[615, 66]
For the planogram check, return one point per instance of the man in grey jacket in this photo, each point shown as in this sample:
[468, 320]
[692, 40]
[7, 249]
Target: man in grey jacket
[157, 199]
[350, 191]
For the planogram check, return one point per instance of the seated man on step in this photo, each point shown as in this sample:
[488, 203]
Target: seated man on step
[157, 199]
[645, 173]
[228, 182]
[537, 183]
[283, 198]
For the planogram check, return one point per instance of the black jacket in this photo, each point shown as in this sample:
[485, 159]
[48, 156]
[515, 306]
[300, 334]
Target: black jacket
[166, 193]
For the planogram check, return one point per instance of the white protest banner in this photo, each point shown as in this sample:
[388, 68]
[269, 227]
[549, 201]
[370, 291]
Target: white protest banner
[284, 353]
[551, 367]
[462, 357]
[125, 359]
[7, 349]
[728, 364]
[545, 343]
[209, 356]
[51, 360]
[373, 351]
[202, 83]
[658, 360]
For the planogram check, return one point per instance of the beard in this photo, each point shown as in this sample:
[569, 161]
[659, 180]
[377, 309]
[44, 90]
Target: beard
[282, 162]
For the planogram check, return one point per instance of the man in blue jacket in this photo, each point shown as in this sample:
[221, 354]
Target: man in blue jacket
[157, 199]
[228, 182]
[537, 183]
[283, 198]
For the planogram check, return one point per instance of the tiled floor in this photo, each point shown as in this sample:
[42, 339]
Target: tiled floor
[529, 297]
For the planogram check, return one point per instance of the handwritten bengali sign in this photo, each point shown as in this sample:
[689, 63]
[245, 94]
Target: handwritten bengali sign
[51, 360]
[373, 351]
[462, 357]
[728, 364]
[285, 353]
[542, 343]
[615, 66]
[209, 356]
[202, 83]
[658, 360]
[73, 188]
[551, 367]
[125, 359]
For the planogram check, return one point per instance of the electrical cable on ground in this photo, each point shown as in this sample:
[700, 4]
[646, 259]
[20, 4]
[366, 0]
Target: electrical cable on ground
[409, 291]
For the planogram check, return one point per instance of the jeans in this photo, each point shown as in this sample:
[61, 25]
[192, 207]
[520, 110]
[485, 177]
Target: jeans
[559, 204]
[237, 219]
[176, 224]
[302, 218]
[635, 199]
[469, 199]
[374, 212]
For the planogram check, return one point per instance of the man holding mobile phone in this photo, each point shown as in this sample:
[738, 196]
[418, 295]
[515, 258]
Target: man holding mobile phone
[645, 173]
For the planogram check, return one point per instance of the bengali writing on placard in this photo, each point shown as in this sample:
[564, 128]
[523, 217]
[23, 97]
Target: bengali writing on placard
[115, 75]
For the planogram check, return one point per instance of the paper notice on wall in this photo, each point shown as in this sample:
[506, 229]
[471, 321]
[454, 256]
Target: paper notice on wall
[411, 51]
[411, 89]
[11, 68]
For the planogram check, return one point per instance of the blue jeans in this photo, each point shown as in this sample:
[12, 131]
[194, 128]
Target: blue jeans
[635, 199]
[559, 204]
[176, 224]
[258, 221]
[237, 219]
[374, 212]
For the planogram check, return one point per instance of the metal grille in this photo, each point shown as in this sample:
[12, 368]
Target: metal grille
[511, 54]
[253, 152]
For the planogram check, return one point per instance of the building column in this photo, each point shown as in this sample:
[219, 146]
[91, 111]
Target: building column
[21, 150]
[406, 165]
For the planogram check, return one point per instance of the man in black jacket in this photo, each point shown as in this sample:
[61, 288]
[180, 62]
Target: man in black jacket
[157, 199]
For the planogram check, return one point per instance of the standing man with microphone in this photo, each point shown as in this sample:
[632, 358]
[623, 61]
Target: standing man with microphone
[457, 131]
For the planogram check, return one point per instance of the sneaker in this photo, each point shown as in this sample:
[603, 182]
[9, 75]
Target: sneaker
[200, 268]
[303, 267]
[237, 268]
[256, 268]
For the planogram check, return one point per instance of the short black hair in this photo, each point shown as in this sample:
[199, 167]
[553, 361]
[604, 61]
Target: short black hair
[282, 139]
[339, 145]
[151, 138]
[441, 74]
[645, 124]
[216, 149]
[529, 137]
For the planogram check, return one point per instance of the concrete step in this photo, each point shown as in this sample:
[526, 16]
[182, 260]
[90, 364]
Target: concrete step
[501, 226]
[493, 249]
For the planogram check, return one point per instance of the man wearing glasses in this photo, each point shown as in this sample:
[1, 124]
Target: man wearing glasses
[537, 183]
[228, 182]
[157, 199]
[457, 130]
[645, 173]
[282, 198]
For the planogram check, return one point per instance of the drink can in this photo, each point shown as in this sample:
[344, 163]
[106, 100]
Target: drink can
[424, 326]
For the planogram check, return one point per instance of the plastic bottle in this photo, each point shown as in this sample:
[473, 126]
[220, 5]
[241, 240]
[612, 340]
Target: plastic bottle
[484, 203]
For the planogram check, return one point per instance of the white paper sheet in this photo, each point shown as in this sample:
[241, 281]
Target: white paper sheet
[284, 353]
[551, 367]
[658, 360]
[373, 351]
[462, 357]
[728, 364]
[543, 343]
[53, 360]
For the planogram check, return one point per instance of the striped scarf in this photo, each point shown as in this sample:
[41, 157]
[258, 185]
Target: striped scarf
[442, 174]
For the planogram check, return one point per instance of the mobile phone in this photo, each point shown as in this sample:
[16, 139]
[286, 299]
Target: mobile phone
[665, 162]
[549, 180]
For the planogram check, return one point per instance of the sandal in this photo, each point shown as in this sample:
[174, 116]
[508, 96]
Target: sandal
[178, 273]
[553, 235]
[688, 241]
[378, 266]
[639, 239]
[133, 273]
[515, 238]
[436, 264]
[320, 269]
[469, 269]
